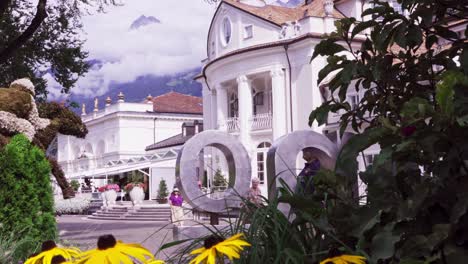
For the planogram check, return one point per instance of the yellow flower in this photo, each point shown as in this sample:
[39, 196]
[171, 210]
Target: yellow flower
[215, 246]
[110, 251]
[345, 259]
[49, 251]
[154, 261]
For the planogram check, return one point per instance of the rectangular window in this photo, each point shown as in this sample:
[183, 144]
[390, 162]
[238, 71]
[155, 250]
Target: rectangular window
[369, 159]
[248, 31]
[261, 167]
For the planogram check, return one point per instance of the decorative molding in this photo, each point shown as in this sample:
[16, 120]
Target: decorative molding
[276, 73]
[242, 79]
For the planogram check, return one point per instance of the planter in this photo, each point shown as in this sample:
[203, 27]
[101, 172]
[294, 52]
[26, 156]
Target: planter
[161, 200]
[111, 196]
[103, 197]
[137, 195]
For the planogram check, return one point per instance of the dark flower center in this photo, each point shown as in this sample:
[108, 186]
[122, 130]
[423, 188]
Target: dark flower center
[106, 241]
[57, 260]
[211, 241]
[48, 245]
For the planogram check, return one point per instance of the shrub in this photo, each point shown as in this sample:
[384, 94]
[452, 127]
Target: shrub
[26, 191]
[75, 185]
[75, 205]
[162, 190]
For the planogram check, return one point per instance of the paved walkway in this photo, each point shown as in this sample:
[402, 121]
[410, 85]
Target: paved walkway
[82, 232]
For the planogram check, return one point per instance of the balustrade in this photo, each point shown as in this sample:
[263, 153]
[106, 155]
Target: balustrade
[261, 121]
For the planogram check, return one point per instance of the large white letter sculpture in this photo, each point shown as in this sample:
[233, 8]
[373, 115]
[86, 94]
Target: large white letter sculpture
[238, 165]
[281, 158]
[281, 162]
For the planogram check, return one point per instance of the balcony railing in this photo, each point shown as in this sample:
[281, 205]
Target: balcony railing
[261, 121]
[232, 124]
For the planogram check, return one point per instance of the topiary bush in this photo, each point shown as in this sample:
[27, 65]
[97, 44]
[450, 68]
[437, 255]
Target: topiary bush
[26, 191]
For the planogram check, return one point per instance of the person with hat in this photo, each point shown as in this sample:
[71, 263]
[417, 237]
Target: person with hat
[177, 212]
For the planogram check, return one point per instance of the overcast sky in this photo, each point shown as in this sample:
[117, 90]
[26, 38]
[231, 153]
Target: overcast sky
[176, 45]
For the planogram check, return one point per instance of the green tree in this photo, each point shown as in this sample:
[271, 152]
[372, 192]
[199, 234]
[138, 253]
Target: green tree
[162, 190]
[218, 179]
[26, 192]
[412, 72]
[36, 39]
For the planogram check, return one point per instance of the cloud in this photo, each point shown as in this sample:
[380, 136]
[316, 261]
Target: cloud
[175, 45]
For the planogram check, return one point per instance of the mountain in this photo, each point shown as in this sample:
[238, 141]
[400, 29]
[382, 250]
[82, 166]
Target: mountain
[144, 21]
[139, 89]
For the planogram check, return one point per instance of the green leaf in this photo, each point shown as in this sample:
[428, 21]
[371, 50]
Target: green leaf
[414, 37]
[415, 109]
[320, 114]
[462, 121]
[174, 243]
[363, 26]
[346, 162]
[383, 245]
[445, 92]
[327, 47]
[445, 32]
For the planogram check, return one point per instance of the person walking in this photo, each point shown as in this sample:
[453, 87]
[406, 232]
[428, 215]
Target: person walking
[177, 212]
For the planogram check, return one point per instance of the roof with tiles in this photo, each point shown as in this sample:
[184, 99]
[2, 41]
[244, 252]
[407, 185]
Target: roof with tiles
[174, 102]
[280, 15]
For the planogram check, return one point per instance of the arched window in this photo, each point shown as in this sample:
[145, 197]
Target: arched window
[262, 150]
[226, 31]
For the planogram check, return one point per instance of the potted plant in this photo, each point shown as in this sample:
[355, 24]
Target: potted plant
[162, 192]
[136, 192]
[110, 193]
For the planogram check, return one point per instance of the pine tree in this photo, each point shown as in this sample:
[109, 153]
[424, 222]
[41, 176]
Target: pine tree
[218, 179]
[162, 190]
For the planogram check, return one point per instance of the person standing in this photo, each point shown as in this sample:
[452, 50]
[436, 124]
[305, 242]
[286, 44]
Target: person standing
[254, 195]
[177, 212]
[304, 179]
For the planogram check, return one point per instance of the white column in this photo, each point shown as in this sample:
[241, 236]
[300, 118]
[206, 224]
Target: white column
[278, 87]
[221, 97]
[245, 108]
[213, 113]
[207, 108]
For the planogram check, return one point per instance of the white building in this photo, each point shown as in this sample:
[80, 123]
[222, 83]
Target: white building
[258, 81]
[119, 134]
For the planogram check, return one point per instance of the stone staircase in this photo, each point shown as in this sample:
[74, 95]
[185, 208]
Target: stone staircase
[126, 212]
